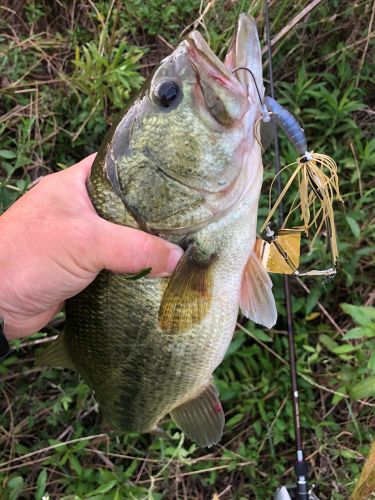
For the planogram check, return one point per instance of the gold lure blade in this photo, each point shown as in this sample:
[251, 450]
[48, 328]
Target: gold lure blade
[282, 255]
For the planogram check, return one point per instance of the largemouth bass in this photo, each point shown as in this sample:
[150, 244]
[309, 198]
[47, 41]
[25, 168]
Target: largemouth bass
[182, 163]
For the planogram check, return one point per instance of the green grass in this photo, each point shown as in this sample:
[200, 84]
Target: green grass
[65, 73]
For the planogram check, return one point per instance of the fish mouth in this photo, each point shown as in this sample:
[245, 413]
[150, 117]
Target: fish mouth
[207, 64]
[244, 52]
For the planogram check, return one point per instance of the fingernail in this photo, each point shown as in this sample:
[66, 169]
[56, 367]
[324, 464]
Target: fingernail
[174, 257]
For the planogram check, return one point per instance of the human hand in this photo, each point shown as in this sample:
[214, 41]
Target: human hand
[53, 244]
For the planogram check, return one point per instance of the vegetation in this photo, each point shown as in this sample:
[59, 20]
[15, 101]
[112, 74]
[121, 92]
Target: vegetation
[66, 69]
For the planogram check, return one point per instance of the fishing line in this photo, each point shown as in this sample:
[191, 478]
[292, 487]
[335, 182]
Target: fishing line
[301, 470]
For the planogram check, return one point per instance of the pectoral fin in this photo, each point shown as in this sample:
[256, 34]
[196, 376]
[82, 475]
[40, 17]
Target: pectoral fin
[257, 302]
[201, 419]
[56, 355]
[187, 298]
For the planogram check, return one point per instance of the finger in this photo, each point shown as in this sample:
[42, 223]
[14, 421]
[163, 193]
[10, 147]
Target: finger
[126, 250]
[74, 178]
[83, 167]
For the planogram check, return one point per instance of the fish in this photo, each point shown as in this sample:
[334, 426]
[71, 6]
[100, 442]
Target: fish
[181, 163]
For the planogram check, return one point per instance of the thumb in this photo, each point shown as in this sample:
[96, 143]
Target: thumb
[122, 249]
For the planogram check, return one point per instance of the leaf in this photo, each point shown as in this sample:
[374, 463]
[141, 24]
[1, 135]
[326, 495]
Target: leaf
[371, 363]
[312, 299]
[7, 155]
[41, 484]
[364, 389]
[330, 344]
[338, 397]
[344, 349]
[349, 454]
[75, 465]
[235, 419]
[132, 467]
[236, 343]
[309, 348]
[16, 484]
[312, 316]
[363, 315]
[354, 227]
[261, 335]
[359, 332]
[104, 488]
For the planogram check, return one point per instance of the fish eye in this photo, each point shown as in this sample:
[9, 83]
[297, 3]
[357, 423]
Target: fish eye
[166, 93]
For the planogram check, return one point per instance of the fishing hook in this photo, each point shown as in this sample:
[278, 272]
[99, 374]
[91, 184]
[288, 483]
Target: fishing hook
[265, 114]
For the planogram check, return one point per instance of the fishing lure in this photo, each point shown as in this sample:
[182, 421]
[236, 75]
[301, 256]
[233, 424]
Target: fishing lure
[318, 186]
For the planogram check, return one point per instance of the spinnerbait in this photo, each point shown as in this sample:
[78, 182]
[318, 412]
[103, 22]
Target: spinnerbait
[317, 179]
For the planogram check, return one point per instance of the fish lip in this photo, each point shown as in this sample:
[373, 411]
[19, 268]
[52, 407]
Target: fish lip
[205, 61]
[199, 48]
[245, 52]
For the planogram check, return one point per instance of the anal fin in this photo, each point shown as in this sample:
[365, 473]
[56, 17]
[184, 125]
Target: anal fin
[187, 298]
[56, 355]
[256, 301]
[202, 418]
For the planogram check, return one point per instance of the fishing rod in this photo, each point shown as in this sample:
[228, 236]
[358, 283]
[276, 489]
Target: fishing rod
[301, 490]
